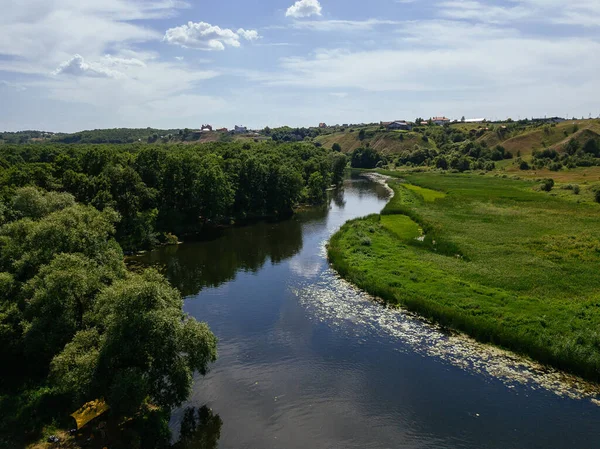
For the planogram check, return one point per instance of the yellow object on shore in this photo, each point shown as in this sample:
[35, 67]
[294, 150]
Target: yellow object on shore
[89, 411]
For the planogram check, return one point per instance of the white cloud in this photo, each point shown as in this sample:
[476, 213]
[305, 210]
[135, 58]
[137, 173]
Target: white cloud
[204, 36]
[304, 8]
[179, 58]
[343, 25]
[583, 13]
[249, 35]
[77, 66]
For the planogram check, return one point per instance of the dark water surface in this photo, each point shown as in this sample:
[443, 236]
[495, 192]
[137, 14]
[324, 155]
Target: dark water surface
[307, 361]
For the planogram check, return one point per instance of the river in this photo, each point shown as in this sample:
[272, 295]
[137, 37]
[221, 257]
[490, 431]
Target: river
[308, 361]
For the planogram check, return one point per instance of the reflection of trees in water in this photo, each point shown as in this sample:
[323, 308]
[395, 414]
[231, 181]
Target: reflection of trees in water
[337, 196]
[194, 266]
[200, 429]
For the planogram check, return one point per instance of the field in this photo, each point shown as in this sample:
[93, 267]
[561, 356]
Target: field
[494, 258]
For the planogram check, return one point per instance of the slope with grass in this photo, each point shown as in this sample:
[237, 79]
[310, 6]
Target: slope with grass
[524, 142]
[498, 260]
[385, 142]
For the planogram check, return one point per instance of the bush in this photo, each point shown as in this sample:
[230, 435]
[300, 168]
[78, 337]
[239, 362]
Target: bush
[171, 239]
[576, 189]
[336, 147]
[547, 184]
[365, 241]
[524, 166]
[555, 166]
[597, 195]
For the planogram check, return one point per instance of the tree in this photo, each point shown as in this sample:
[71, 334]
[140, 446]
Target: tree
[338, 164]
[361, 134]
[213, 192]
[34, 203]
[146, 347]
[316, 188]
[26, 245]
[59, 297]
[462, 119]
[336, 147]
[364, 158]
[442, 163]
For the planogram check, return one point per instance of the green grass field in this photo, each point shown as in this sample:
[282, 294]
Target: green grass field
[499, 261]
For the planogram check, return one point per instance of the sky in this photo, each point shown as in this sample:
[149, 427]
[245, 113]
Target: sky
[68, 65]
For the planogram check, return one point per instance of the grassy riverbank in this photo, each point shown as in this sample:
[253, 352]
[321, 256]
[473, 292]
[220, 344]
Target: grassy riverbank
[488, 256]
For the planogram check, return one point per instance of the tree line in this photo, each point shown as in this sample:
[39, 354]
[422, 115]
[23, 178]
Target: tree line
[162, 191]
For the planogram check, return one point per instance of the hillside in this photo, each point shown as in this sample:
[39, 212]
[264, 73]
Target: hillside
[385, 142]
[525, 141]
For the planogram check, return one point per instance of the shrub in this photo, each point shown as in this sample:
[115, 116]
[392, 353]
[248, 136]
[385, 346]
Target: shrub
[171, 239]
[336, 147]
[524, 165]
[365, 241]
[547, 184]
[555, 166]
[597, 194]
[576, 189]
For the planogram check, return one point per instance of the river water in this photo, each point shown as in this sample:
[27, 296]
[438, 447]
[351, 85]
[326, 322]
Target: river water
[308, 361]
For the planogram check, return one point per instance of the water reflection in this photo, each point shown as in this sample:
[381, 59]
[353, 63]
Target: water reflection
[200, 429]
[197, 265]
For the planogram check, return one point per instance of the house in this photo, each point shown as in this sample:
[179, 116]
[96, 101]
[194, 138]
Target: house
[402, 125]
[240, 129]
[440, 120]
[206, 128]
[222, 130]
[322, 125]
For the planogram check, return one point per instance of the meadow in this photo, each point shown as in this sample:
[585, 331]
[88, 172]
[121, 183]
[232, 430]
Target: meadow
[495, 258]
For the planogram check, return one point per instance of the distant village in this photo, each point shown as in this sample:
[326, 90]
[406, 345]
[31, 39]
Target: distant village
[401, 125]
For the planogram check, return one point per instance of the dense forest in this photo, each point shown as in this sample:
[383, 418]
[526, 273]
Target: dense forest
[161, 192]
[75, 324]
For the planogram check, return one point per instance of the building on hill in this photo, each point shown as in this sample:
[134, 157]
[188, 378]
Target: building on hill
[440, 120]
[240, 129]
[206, 128]
[222, 130]
[322, 125]
[399, 124]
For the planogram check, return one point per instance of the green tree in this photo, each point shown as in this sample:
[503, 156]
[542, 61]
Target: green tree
[361, 134]
[316, 188]
[338, 166]
[34, 203]
[59, 297]
[150, 349]
[336, 147]
[26, 245]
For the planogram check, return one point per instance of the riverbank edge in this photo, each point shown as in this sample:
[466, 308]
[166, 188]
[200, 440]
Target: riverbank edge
[437, 313]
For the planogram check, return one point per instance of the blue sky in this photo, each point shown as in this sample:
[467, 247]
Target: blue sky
[67, 65]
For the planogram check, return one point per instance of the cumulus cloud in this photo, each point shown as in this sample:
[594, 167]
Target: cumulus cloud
[204, 36]
[77, 66]
[249, 35]
[304, 8]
